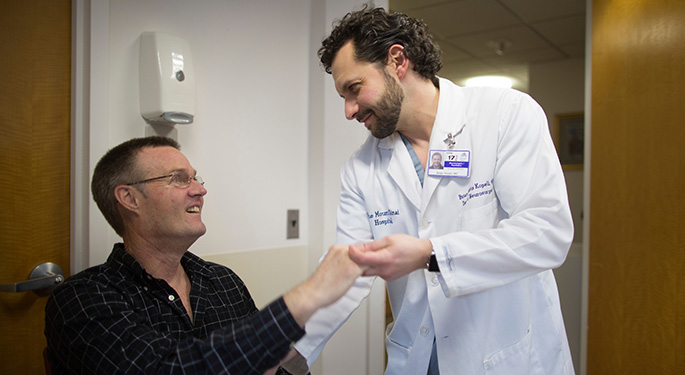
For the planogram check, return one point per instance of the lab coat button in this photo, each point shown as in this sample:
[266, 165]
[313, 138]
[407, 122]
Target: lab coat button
[425, 330]
[425, 224]
[434, 281]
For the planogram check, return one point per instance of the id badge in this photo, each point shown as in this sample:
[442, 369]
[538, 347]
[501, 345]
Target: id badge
[450, 163]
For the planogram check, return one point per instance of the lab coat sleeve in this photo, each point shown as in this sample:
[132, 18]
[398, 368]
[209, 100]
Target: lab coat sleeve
[535, 228]
[352, 228]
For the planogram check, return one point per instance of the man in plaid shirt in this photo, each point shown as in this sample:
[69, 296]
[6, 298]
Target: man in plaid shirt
[153, 307]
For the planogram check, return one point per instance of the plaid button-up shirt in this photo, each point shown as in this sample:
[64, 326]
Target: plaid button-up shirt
[117, 319]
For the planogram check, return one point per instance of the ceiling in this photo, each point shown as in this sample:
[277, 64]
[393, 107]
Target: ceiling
[526, 32]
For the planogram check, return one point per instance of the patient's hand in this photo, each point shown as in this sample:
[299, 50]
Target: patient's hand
[334, 276]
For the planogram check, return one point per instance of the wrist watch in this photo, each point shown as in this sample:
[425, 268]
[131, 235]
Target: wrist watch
[432, 263]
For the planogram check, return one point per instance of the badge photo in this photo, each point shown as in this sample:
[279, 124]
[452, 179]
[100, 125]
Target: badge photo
[450, 163]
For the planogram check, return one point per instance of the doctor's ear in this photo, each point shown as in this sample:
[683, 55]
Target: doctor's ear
[397, 60]
[127, 197]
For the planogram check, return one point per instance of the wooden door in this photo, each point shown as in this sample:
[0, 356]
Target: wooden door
[636, 319]
[35, 53]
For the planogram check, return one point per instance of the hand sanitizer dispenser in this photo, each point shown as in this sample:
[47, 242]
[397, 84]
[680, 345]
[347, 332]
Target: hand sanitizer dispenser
[167, 81]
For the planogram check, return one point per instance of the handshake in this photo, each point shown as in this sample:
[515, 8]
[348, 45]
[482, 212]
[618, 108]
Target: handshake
[389, 257]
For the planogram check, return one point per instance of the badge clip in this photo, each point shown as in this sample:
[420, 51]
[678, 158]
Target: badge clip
[450, 141]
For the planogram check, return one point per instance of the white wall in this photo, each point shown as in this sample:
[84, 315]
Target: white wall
[559, 88]
[249, 138]
[269, 135]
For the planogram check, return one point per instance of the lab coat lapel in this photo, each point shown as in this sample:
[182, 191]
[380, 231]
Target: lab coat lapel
[451, 118]
[400, 167]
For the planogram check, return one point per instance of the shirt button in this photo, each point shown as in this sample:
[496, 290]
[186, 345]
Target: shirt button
[434, 281]
[171, 297]
[425, 330]
[145, 288]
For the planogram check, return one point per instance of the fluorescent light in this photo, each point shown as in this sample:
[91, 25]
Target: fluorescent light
[491, 81]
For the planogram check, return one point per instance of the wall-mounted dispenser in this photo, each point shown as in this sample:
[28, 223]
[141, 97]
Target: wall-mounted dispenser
[167, 81]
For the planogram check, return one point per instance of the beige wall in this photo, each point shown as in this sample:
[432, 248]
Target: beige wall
[267, 273]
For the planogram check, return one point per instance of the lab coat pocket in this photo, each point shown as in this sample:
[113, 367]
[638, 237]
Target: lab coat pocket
[480, 218]
[519, 358]
[397, 352]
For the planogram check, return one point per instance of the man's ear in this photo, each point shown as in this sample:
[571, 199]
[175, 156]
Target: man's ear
[397, 60]
[127, 197]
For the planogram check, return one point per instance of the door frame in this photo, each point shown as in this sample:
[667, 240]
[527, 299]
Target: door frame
[587, 167]
[89, 128]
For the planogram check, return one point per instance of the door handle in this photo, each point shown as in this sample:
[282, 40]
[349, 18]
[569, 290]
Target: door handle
[42, 280]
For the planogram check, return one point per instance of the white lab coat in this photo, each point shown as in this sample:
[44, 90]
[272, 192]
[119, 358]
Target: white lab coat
[494, 307]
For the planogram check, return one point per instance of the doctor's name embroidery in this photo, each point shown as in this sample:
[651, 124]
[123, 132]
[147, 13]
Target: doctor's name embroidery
[382, 217]
[477, 190]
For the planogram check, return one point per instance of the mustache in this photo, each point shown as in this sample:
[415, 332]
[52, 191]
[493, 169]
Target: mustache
[362, 115]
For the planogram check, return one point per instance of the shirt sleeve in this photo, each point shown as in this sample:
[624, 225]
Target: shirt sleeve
[91, 329]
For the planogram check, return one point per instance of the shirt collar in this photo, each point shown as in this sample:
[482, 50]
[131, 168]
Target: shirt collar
[191, 262]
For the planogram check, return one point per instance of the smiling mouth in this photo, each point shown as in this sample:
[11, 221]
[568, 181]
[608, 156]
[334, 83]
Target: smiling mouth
[364, 120]
[194, 210]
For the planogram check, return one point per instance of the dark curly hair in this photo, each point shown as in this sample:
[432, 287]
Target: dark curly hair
[373, 31]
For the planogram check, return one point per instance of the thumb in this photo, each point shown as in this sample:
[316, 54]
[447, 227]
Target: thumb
[356, 252]
[375, 245]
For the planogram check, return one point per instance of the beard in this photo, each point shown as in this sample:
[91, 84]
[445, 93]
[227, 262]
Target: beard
[387, 110]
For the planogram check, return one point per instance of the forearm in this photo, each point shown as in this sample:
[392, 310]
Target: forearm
[300, 303]
[125, 345]
[250, 346]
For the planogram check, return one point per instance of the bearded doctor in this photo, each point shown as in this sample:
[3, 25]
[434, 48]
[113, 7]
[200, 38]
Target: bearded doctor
[467, 250]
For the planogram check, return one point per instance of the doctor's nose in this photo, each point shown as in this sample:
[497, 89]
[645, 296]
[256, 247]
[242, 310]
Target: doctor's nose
[351, 109]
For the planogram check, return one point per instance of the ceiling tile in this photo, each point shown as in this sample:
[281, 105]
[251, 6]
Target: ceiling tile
[406, 5]
[484, 44]
[536, 10]
[563, 30]
[450, 52]
[464, 17]
[540, 31]
[525, 57]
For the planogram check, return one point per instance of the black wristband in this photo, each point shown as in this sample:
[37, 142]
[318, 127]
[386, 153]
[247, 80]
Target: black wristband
[433, 264]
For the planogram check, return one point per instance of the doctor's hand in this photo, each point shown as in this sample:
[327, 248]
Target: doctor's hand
[393, 256]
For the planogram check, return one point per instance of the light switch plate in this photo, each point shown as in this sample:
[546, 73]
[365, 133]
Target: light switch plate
[293, 224]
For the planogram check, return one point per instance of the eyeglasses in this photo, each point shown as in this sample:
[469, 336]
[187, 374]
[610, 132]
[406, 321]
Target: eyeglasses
[176, 179]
